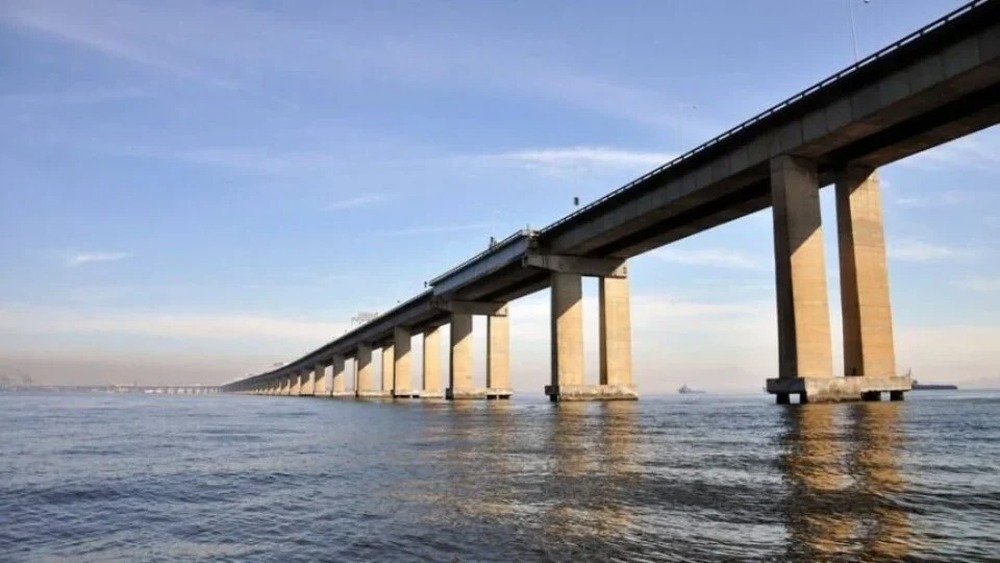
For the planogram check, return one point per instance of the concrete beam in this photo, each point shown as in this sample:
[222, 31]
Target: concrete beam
[486, 308]
[602, 267]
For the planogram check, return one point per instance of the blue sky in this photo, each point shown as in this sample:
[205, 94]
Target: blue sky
[194, 190]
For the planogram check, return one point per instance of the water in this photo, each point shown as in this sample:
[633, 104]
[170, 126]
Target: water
[686, 478]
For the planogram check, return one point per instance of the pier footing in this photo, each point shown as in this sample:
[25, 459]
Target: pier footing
[406, 394]
[343, 394]
[477, 394]
[838, 389]
[426, 394]
[374, 394]
[591, 393]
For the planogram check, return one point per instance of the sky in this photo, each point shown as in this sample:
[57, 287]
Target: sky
[191, 191]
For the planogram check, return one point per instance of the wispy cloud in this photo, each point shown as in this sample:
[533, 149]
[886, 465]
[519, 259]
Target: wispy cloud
[919, 251]
[189, 326]
[939, 199]
[981, 151]
[359, 201]
[76, 97]
[581, 159]
[432, 229]
[982, 284]
[715, 257]
[81, 258]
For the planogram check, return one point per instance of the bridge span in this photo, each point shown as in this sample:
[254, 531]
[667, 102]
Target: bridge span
[938, 84]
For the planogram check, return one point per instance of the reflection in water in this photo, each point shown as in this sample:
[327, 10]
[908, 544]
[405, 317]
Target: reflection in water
[842, 472]
[592, 474]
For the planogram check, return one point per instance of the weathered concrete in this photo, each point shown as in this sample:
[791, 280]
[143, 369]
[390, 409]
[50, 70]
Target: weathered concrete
[498, 353]
[319, 379]
[804, 347]
[403, 370]
[388, 368]
[864, 276]
[567, 332]
[616, 332]
[365, 386]
[478, 394]
[591, 392]
[460, 366]
[831, 389]
[431, 387]
[308, 388]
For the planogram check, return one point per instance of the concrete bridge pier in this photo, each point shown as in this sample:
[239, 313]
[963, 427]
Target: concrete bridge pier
[366, 386]
[568, 381]
[388, 375]
[319, 380]
[297, 384]
[461, 385]
[338, 378]
[403, 370]
[804, 345]
[431, 386]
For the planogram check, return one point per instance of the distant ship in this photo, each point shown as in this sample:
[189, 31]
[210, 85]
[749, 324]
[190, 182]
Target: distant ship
[930, 386]
[917, 386]
[684, 390]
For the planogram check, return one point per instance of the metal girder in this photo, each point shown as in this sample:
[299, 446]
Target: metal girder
[600, 267]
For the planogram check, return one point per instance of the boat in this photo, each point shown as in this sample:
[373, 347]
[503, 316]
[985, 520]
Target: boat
[917, 386]
[684, 390]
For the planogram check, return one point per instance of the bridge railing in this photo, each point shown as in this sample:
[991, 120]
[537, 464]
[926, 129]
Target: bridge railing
[774, 109]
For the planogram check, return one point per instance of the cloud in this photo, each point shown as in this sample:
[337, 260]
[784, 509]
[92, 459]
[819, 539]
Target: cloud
[359, 201]
[980, 151]
[714, 257]
[917, 251]
[582, 158]
[982, 284]
[81, 258]
[432, 229]
[192, 326]
[941, 199]
[76, 97]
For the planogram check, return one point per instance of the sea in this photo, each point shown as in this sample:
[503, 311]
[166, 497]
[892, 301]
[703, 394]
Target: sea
[133, 477]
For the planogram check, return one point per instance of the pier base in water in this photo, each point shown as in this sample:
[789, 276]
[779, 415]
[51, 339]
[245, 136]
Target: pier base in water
[374, 394]
[838, 389]
[558, 393]
[477, 394]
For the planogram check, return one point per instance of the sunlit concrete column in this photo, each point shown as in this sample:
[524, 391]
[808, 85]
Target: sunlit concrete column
[319, 380]
[308, 383]
[460, 365]
[388, 368]
[338, 378]
[431, 385]
[804, 349]
[567, 333]
[498, 357]
[864, 284]
[297, 384]
[403, 370]
[615, 336]
[366, 384]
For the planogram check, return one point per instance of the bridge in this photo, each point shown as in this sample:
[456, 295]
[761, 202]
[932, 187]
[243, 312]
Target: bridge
[938, 84]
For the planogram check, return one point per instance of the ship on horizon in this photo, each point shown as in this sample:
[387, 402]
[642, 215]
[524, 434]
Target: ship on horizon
[917, 386]
[684, 390]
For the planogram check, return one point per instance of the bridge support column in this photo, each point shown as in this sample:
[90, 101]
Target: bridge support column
[431, 388]
[460, 358]
[402, 342]
[296, 385]
[869, 354]
[805, 362]
[308, 387]
[338, 378]
[366, 384]
[388, 369]
[616, 338]
[568, 382]
[498, 357]
[319, 377]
